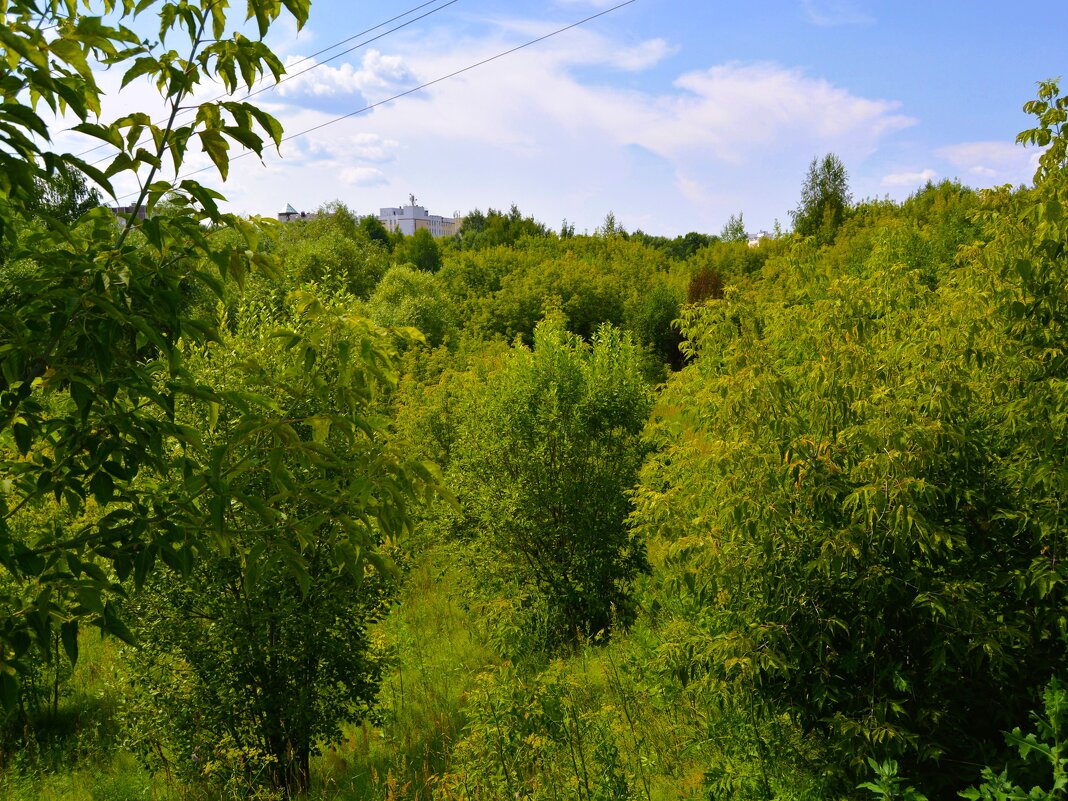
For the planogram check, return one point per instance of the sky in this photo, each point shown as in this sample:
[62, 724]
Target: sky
[671, 114]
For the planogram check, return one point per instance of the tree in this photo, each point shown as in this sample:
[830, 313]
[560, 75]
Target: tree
[479, 231]
[410, 297]
[682, 247]
[544, 457]
[103, 473]
[333, 252]
[733, 229]
[421, 250]
[64, 196]
[376, 232]
[252, 660]
[864, 486]
[611, 226]
[825, 199]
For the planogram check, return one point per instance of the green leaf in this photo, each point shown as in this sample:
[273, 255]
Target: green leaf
[23, 437]
[9, 689]
[71, 52]
[83, 398]
[216, 147]
[102, 487]
[69, 635]
[113, 624]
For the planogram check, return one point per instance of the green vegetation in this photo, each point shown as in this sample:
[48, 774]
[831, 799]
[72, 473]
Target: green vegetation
[318, 511]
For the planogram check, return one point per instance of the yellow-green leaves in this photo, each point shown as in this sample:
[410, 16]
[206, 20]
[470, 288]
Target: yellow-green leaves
[103, 458]
[1051, 111]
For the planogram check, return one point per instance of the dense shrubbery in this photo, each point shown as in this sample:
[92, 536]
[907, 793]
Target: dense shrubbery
[545, 451]
[830, 542]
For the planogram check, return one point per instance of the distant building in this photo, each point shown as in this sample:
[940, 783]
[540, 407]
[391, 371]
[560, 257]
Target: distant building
[291, 214]
[754, 241]
[127, 211]
[408, 219]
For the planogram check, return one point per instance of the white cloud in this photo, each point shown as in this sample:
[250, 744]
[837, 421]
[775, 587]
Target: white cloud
[364, 146]
[643, 56]
[692, 190]
[831, 13]
[909, 179]
[736, 110]
[376, 78]
[363, 176]
[992, 161]
[719, 140]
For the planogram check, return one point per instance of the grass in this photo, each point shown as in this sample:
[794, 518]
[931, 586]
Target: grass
[435, 657]
[458, 722]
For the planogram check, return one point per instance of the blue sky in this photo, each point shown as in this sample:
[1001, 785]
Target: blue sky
[671, 114]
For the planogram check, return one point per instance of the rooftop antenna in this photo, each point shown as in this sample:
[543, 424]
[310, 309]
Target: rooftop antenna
[412, 198]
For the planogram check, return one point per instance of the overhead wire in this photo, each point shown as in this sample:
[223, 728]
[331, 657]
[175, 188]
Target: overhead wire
[289, 76]
[415, 89]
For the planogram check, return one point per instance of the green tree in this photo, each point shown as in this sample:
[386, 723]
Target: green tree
[653, 321]
[422, 250]
[376, 232]
[825, 199]
[860, 476]
[682, 247]
[544, 456]
[495, 228]
[253, 660]
[733, 229]
[410, 297]
[103, 469]
[611, 226]
[333, 253]
[63, 196]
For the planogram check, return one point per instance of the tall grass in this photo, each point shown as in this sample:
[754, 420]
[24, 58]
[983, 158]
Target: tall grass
[610, 722]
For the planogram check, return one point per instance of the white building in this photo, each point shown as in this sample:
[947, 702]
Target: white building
[754, 241]
[408, 219]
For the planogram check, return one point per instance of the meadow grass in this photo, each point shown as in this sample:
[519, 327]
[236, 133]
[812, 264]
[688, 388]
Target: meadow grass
[455, 721]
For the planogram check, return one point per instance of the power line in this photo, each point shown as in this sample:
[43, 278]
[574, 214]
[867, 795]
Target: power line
[289, 76]
[326, 49]
[415, 89]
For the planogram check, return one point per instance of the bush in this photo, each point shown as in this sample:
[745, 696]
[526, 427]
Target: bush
[545, 454]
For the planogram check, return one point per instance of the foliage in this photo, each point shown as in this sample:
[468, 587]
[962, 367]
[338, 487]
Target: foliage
[333, 254]
[825, 199]
[545, 453]
[611, 227]
[652, 324]
[1044, 748]
[889, 785]
[824, 499]
[255, 659]
[94, 335]
[844, 552]
[705, 285]
[479, 231]
[410, 297]
[421, 250]
[680, 248]
[1051, 132]
[733, 229]
[63, 197]
[375, 231]
[590, 280]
